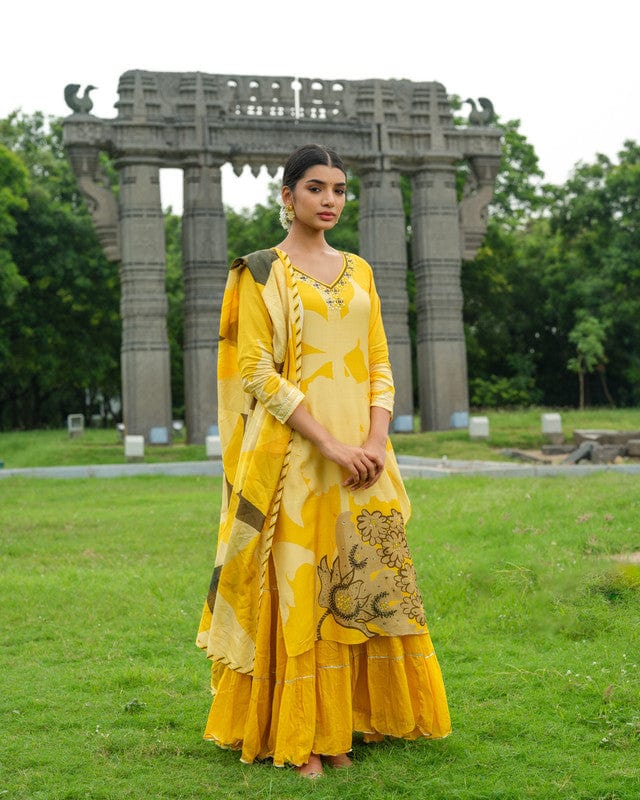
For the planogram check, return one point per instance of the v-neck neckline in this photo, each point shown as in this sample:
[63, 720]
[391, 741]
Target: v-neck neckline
[313, 277]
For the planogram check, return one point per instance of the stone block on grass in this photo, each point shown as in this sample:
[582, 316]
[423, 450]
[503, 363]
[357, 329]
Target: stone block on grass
[479, 427]
[213, 448]
[134, 448]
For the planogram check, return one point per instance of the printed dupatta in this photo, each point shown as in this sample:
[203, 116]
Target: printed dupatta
[255, 454]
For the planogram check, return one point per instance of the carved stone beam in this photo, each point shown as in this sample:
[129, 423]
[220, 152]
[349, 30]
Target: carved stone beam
[82, 143]
[472, 208]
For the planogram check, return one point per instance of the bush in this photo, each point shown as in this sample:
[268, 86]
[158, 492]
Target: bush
[498, 391]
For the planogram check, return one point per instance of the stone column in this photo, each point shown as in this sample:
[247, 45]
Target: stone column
[204, 260]
[146, 386]
[441, 350]
[383, 243]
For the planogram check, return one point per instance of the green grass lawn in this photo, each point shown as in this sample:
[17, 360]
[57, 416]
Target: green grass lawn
[104, 696]
[507, 429]
[54, 448]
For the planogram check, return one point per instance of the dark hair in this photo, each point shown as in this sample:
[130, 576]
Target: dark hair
[309, 155]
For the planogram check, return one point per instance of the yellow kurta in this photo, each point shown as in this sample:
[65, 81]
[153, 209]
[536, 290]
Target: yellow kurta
[334, 639]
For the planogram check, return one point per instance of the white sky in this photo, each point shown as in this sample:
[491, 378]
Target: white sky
[568, 69]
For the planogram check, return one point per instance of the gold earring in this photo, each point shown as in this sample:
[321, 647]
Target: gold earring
[287, 215]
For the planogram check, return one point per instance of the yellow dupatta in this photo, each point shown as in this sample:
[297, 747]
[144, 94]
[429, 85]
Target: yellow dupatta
[255, 455]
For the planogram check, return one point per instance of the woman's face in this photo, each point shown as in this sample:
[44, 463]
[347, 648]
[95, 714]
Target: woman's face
[318, 197]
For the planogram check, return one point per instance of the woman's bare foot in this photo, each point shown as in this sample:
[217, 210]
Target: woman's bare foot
[341, 761]
[312, 769]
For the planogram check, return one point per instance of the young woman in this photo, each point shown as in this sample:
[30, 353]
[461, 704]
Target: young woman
[314, 621]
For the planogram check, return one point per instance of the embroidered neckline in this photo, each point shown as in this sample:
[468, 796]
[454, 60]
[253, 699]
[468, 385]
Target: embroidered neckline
[332, 293]
[338, 277]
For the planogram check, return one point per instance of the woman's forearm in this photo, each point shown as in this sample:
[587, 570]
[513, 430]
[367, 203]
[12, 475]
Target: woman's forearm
[379, 424]
[306, 425]
[363, 464]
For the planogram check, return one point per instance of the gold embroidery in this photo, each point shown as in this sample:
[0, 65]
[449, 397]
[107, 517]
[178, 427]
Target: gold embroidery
[332, 294]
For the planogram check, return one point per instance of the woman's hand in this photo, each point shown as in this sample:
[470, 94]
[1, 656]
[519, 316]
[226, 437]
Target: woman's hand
[364, 464]
[377, 452]
[376, 445]
[362, 467]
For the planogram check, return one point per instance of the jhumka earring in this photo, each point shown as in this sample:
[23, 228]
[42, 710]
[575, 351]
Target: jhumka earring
[287, 215]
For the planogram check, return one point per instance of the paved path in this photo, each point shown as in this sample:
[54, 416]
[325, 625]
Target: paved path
[410, 467]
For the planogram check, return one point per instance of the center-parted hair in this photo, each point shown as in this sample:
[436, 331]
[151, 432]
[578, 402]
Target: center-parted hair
[306, 156]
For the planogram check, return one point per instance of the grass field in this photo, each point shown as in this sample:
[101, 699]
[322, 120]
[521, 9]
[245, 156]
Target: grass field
[103, 695]
[508, 429]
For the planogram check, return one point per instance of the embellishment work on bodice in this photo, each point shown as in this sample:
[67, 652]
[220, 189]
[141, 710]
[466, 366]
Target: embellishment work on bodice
[332, 294]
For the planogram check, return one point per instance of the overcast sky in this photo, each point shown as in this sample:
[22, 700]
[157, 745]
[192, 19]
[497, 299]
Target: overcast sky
[567, 69]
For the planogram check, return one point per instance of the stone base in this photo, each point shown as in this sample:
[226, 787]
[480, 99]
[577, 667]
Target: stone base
[604, 436]
[633, 448]
[557, 449]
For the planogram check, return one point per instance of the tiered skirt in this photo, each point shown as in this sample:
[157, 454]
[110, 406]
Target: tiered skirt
[314, 702]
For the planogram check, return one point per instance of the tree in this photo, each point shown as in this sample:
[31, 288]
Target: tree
[588, 338]
[14, 182]
[501, 287]
[63, 336]
[175, 309]
[596, 217]
[520, 193]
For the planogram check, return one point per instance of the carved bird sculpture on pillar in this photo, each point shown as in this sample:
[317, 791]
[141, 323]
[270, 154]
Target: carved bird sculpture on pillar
[80, 104]
[483, 115]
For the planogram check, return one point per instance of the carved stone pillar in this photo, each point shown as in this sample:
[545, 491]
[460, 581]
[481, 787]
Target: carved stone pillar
[383, 243]
[204, 259]
[146, 387]
[441, 350]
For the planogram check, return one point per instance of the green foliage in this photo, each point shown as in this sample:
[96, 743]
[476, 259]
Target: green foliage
[14, 181]
[552, 253]
[175, 309]
[504, 302]
[587, 336]
[597, 219]
[519, 191]
[251, 230]
[59, 345]
[501, 392]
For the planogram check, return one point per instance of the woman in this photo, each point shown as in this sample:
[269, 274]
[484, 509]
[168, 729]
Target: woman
[314, 621]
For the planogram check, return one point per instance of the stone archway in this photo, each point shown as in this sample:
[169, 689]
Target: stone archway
[198, 122]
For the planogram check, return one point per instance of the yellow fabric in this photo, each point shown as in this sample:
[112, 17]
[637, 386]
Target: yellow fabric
[292, 706]
[255, 450]
[341, 600]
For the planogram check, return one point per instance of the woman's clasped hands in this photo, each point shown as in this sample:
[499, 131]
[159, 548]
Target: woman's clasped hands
[363, 465]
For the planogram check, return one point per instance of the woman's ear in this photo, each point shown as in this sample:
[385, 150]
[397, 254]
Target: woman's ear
[287, 195]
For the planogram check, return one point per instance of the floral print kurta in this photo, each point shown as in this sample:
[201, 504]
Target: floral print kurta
[343, 569]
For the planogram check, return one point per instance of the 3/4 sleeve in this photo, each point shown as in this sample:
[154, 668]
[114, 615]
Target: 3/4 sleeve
[260, 374]
[382, 390]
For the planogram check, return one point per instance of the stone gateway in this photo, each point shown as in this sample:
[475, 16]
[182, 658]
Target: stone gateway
[198, 122]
